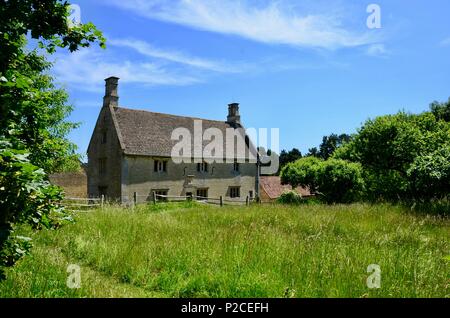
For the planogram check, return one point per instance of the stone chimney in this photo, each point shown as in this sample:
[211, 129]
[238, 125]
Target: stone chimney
[233, 114]
[111, 92]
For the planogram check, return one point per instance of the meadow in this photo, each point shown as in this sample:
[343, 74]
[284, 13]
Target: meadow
[195, 250]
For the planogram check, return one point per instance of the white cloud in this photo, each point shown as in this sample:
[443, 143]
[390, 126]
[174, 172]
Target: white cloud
[149, 50]
[378, 50]
[445, 42]
[273, 23]
[87, 69]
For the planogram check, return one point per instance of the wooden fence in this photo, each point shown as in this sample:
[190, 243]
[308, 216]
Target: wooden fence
[221, 201]
[83, 204]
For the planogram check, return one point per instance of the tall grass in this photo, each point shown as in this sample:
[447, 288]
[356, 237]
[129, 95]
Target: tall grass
[190, 250]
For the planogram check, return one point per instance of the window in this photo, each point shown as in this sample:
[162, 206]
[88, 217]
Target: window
[250, 193]
[160, 166]
[236, 167]
[202, 193]
[202, 167]
[102, 166]
[235, 192]
[104, 137]
[161, 195]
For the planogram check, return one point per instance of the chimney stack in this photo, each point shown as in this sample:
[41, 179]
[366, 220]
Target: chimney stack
[111, 92]
[233, 114]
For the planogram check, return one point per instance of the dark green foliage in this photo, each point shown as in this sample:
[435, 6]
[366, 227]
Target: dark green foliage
[313, 152]
[289, 156]
[441, 110]
[330, 144]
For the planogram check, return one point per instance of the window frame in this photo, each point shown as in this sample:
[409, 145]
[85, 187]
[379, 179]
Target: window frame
[202, 167]
[160, 166]
[199, 192]
[235, 192]
[164, 192]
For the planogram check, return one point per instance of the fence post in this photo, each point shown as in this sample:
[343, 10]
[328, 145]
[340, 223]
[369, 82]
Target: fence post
[221, 200]
[247, 201]
[135, 198]
[102, 201]
[154, 197]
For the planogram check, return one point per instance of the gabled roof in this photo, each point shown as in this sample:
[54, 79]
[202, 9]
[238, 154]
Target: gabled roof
[145, 133]
[274, 189]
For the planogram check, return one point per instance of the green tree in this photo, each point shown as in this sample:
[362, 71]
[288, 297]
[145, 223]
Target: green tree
[331, 143]
[337, 181]
[33, 112]
[388, 146]
[430, 174]
[313, 152]
[441, 110]
[340, 181]
[289, 156]
[302, 172]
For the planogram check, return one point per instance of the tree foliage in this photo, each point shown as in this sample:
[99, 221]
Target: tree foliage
[441, 110]
[430, 174]
[33, 113]
[289, 156]
[401, 157]
[331, 143]
[302, 172]
[337, 181]
[388, 146]
[340, 181]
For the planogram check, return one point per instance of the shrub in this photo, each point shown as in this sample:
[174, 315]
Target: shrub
[290, 197]
[301, 173]
[340, 181]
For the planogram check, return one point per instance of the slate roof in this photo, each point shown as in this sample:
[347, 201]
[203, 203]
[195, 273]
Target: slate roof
[145, 133]
[274, 189]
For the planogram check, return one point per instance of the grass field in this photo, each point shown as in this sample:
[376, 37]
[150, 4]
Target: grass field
[190, 250]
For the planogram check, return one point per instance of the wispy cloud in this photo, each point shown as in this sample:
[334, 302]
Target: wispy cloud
[151, 51]
[445, 42]
[273, 23]
[86, 70]
[378, 50]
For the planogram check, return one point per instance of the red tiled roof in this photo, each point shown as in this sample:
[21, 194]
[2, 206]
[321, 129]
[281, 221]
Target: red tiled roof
[273, 187]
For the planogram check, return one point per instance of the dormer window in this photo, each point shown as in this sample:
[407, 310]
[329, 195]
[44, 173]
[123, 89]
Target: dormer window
[160, 166]
[202, 167]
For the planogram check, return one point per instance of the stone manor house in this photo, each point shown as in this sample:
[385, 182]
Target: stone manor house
[130, 156]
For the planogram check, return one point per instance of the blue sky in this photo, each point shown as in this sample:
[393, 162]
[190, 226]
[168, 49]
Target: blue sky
[309, 68]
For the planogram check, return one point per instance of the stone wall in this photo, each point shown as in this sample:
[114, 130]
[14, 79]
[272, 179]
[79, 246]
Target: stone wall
[74, 184]
[139, 176]
[111, 152]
